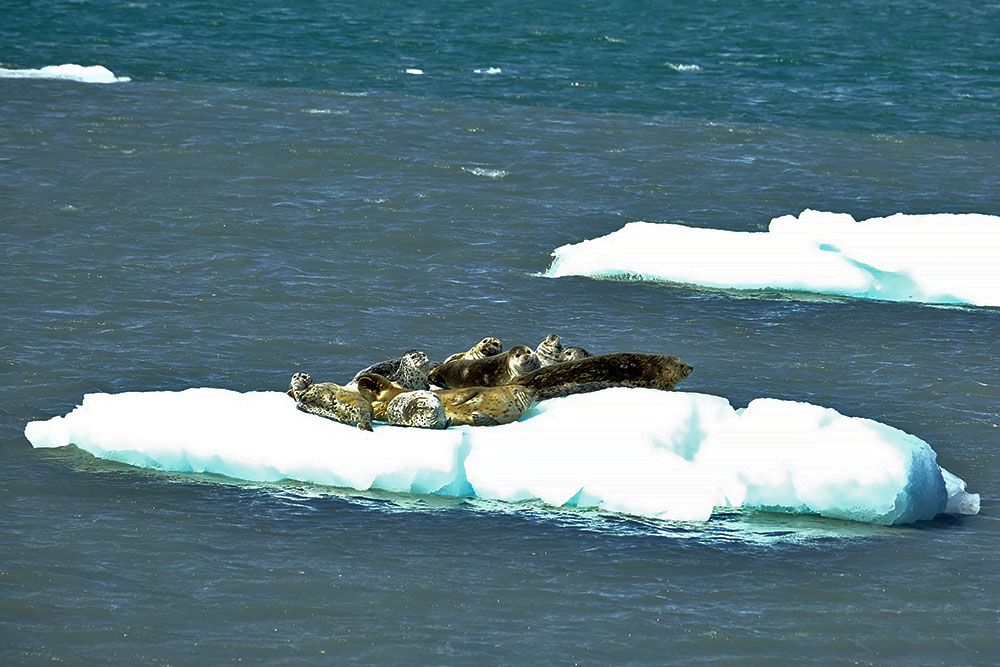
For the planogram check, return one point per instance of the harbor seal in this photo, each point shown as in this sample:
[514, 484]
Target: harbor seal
[493, 371]
[550, 351]
[472, 406]
[419, 408]
[574, 353]
[487, 347]
[623, 369]
[409, 370]
[330, 400]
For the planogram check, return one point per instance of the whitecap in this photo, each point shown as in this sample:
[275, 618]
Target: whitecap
[68, 72]
[488, 70]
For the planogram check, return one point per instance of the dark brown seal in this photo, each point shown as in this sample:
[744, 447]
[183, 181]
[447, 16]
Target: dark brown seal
[624, 369]
[492, 371]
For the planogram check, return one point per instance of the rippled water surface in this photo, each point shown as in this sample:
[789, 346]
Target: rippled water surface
[272, 192]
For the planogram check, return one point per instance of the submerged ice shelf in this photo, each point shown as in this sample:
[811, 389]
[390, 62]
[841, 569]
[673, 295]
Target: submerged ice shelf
[676, 456]
[942, 259]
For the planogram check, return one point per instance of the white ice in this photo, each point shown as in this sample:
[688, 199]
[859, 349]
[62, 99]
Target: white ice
[941, 258]
[69, 72]
[669, 455]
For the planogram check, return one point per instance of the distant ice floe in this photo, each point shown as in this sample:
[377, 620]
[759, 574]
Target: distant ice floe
[942, 258]
[676, 456]
[487, 70]
[682, 67]
[70, 72]
[487, 173]
[414, 70]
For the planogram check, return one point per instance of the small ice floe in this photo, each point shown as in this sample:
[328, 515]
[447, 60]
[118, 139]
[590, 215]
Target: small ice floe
[487, 70]
[68, 72]
[928, 258]
[416, 71]
[487, 173]
[682, 67]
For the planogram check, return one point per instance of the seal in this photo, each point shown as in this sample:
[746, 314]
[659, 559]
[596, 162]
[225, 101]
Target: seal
[493, 371]
[409, 370]
[550, 351]
[623, 369]
[574, 353]
[330, 400]
[487, 347]
[471, 406]
[419, 408]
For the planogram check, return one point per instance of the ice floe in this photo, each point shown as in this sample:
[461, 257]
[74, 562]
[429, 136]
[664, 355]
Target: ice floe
[667, 455]
[940, 258]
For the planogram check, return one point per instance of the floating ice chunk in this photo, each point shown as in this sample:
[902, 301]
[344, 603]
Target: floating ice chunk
[682, 67]
[487, 70]
[488, 173]
[414, 70]
[668, 455]
[943, 258]
[69, 72]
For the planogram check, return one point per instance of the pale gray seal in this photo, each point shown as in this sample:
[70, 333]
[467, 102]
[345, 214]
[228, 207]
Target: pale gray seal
[550, 351]
[330, 400]
[409, 370]
[419, 408]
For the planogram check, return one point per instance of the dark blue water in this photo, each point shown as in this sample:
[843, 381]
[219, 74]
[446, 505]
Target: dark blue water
[272, 192]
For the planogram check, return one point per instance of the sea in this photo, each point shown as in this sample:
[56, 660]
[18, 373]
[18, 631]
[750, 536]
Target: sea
[288, 185]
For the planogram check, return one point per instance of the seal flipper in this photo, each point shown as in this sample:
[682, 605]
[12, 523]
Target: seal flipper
[481, 419]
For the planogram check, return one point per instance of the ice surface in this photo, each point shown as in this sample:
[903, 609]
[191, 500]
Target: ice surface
[669, 455]
[69, 72]
[942, 258]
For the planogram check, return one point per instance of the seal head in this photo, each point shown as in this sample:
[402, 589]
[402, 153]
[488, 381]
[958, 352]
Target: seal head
[550, 351]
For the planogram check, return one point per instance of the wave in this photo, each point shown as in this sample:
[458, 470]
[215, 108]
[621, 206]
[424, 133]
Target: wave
[680, 456]
[487, 70]
[69, 72]
[940, 259]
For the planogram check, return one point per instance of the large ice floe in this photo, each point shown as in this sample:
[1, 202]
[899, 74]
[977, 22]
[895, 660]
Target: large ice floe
[69, 72]
[942, 258]
[667, 455]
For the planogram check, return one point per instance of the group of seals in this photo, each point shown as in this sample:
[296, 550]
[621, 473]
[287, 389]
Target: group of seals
[471, 406]
[482, 386]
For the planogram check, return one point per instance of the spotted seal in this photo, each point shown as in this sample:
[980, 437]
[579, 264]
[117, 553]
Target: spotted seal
[419, 408]
[487, 347]
[623, 369]
[550, 351]
[500, 369]
[472, 406]
[409, 370]
[330, 400]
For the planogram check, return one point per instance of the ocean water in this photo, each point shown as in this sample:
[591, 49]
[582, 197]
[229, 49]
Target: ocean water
[272, 191]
